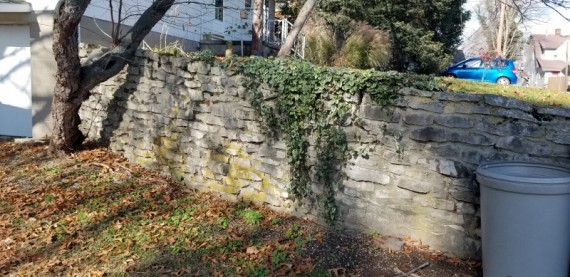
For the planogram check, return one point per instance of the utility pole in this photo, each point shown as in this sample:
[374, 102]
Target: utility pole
[501, 27]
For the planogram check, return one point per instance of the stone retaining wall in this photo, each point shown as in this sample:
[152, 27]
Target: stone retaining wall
[413, 176]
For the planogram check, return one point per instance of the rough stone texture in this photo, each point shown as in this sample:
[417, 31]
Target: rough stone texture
[413, 175]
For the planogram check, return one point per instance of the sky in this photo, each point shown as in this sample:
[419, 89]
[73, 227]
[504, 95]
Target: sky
[551, 20]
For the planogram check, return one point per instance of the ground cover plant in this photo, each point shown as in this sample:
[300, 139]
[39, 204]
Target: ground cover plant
[94, 214]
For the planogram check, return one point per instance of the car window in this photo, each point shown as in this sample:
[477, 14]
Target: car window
[472, 64]
[496, 63]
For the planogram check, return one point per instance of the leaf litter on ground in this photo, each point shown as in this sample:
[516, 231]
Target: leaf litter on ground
[93, 213]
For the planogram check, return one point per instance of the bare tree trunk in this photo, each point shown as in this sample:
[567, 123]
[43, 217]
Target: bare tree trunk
[67, 92]
[297, 26]
[74, 81]
[500, 33]
[256, 34]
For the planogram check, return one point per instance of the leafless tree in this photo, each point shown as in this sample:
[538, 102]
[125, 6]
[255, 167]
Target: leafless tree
[74, 81]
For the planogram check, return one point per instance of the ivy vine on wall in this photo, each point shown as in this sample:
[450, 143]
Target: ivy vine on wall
[307, 103]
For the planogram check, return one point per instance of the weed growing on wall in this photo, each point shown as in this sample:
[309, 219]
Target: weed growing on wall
[310, 103]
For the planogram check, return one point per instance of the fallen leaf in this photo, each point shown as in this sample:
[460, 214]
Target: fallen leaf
[252, 250]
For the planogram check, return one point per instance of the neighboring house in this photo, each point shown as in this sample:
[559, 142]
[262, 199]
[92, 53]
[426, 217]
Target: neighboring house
[28, 65]
[546, 56]
[188, 23]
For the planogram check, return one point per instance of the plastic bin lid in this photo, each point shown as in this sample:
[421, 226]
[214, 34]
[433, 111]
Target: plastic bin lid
[525, 177]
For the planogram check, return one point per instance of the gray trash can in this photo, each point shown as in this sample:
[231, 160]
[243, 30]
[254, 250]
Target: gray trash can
[525, 219]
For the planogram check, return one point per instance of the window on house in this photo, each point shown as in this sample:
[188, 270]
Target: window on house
[219, 10]
[247, 4]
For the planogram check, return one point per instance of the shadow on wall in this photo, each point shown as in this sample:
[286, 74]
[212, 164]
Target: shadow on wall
[43, 72]
[9, 127]
[113, 96]
[41, 116]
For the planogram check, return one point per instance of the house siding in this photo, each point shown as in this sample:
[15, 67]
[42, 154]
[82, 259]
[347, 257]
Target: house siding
[185, 22]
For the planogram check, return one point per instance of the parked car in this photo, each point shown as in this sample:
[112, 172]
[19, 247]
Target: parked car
[500, 71]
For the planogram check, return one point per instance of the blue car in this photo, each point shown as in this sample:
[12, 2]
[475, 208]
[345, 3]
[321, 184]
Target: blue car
[497, 70]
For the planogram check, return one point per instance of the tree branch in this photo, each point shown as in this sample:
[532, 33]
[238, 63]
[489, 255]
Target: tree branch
[115, 60]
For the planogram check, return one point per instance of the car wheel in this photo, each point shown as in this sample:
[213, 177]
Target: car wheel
[450, 76]
[503, 81]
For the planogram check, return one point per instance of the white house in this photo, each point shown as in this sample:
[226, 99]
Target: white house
[547, 56]
[28, 66]
[187, 23]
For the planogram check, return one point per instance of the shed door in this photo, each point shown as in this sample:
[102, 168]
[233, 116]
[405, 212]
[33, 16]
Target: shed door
[15, 81]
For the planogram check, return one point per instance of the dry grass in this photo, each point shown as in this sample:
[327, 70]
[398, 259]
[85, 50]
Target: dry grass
[368, 47]
[537, 96]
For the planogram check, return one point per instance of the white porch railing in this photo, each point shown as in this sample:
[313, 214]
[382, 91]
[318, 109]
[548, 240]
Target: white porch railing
[275, 33]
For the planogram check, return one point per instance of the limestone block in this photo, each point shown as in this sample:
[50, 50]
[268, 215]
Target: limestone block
[562, 112]
[415, 118]
[251, 137]
[439, 204]
[230, 134]
[462, 190]
[373, 162]
[466, 108]
[500, 127]
[192, 84]
[220, 168]
[356, 134]
[242, 92]
[352, 192]
[512, 113]
[538, 147]
[507, 102]
[470, 138]
[216, 71]
[425, 104]
[416, 92]
[231, 91]
[447, 167]
[159, 74]
[210, 119]
[454, 121]
[415, 185]
[360, 186]
[178, 62]
[373, 126]
[368, 175]
[212, 88]
[199, 67]
[428, 163]
[429, 134]
[465, 208]
[379, 113]
[157, 84]
[242, 162]
[459, 97]
[147, 72]
[559, 137]
[173, 79]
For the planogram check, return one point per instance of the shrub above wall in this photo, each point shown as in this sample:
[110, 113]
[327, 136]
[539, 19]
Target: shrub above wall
[405, 169]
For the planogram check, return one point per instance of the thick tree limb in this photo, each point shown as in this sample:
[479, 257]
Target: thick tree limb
[256, 34]
[115, 60]
[297, 26]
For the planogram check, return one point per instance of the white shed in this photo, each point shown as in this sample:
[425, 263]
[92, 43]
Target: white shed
[15, 69]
